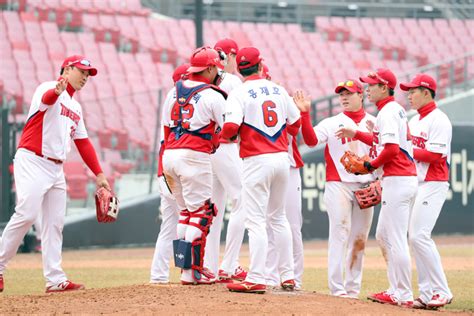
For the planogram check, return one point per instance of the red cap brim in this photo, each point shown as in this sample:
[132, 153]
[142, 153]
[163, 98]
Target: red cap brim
[369, 80]
[408, 86]
[353, 89]
[92, 70]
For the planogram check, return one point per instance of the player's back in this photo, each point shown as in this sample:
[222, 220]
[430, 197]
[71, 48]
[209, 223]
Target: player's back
[192, 112]
[265, 109]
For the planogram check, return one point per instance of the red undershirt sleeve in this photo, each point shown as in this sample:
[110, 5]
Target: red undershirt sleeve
[388, 153]
[229, 130]
[49, 97]
[294, 128]
[425, 155]
[88, 154]
[366, 138]
[309, 136]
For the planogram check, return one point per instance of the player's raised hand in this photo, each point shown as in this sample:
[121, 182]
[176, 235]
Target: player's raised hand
[370, 125]
[345, 132]
[101, 181]
[302, 102]
[60, 86]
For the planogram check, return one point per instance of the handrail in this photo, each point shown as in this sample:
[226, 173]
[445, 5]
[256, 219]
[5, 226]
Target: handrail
[435, 66]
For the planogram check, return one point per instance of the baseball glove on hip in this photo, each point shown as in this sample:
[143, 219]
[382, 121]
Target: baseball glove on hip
[106, 205]
[355, 164]
[369, 195]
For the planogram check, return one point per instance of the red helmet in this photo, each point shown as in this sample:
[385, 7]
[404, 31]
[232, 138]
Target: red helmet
[180, 72]
[203, 58]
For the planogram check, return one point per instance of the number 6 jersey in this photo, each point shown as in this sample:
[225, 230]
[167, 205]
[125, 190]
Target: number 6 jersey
[262, 109]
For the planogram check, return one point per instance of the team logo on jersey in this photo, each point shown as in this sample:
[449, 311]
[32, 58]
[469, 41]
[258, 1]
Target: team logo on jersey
[419, 142]
[65, 111]
[181, 100]
[425, 202]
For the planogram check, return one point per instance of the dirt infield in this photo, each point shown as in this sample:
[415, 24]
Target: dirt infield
[210, 299]
[116, 281]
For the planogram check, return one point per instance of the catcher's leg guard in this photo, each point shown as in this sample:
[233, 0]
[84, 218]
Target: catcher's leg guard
[182, 248]
[184, 217]
[204, 216]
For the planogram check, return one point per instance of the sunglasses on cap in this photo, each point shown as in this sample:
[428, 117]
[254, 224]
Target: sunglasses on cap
[83, 62]
[348, 83]
[375, 75]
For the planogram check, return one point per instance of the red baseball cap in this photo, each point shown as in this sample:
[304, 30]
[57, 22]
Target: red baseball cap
[180, 71]
[382, 76]
[350, 85]
[203, 58]
[248, 57]
[266, 73]
[80, 62]
[227, 45]
[420, 80]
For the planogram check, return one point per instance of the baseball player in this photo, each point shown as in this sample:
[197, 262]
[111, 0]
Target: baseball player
[160, 266]
[349, 226]
[292, 207]
[259, 111]
[191, 116]
[235, 234]
[226, 183]
[54, 119]
[431, 133]
[392, 152]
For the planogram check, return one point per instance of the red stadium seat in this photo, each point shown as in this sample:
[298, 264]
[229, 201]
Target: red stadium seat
[76, 177]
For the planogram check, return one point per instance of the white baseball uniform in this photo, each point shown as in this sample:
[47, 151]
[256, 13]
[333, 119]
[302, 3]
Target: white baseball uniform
[226, 184]
[186, 160]
[349, 226]
[433, 133]
[160, 266]
[262, 109]
[295, 218]
[399, 186]
[39, 178]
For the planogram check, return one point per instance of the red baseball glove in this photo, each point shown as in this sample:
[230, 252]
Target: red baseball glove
[106, 205]
[354, 164]
[369, 195]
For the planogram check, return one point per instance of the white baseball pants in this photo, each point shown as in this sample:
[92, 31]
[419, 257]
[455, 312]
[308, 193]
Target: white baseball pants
[160, 266]
[349, 228]
[428, 204]
[295, 218]
[226, 184]
[265, 182]
[188, 174]
[41, 188]
[398, 196]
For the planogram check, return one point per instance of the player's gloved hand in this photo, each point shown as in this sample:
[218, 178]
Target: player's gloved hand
[355, 164]
[106, 205]
[369, 195]
[61, 85]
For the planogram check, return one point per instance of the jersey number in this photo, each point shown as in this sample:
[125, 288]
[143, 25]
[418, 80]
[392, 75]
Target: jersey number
[187, 112]
[270, 117]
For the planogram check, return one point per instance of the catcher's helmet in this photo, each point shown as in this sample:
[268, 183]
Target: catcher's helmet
[203, 58]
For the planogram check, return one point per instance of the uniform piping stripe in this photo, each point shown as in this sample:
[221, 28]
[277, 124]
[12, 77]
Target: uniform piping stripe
[273, 138]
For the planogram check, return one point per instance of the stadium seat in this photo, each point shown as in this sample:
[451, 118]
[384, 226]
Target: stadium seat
[76, 177]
